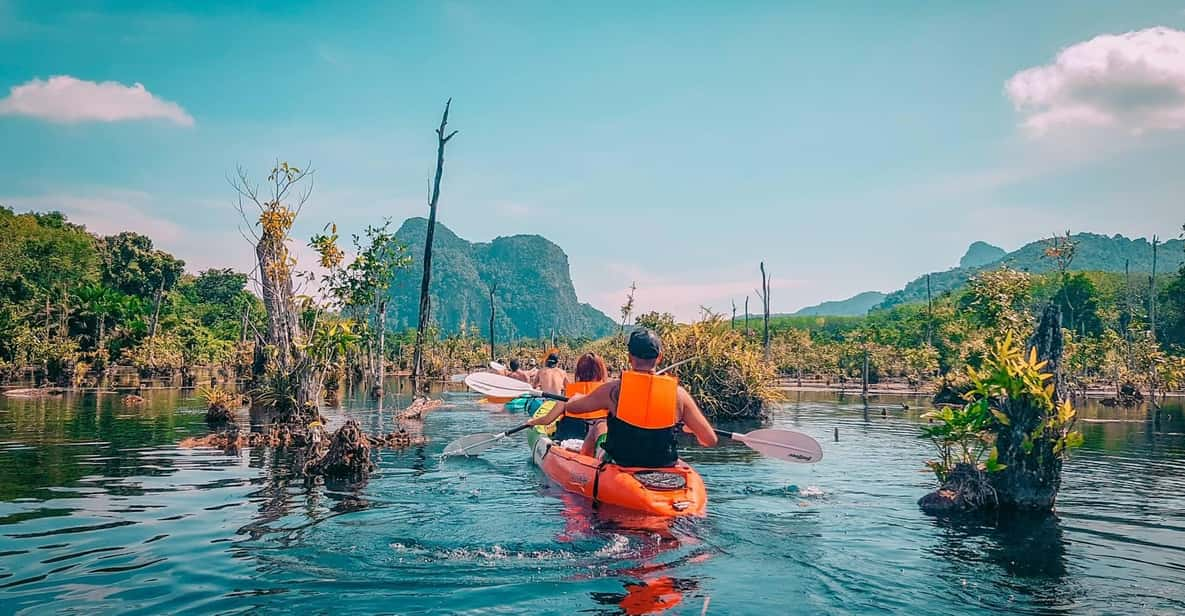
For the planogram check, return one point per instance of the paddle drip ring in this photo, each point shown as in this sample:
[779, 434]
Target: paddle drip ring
[659, 480]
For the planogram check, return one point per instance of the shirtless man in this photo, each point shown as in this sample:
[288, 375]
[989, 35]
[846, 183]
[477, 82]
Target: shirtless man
[551, 378]
[517, 373]
[644, 409]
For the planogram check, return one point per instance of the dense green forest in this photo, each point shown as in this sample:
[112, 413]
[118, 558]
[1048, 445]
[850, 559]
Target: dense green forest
[1120, 328]
[1092, 252]
[73, 303]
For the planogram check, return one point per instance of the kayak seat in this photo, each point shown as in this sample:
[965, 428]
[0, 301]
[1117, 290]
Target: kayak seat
[570, 427]
[660, 480]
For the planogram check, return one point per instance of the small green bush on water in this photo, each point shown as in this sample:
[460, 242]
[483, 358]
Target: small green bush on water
[218, 397]
[1008, 385]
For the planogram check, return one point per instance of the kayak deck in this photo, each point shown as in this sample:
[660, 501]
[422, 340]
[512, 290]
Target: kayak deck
[672, 491]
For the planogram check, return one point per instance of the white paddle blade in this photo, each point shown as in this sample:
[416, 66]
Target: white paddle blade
[497, 385]
[497, 366]
[785, 445]
[472, 445]
[457, 378]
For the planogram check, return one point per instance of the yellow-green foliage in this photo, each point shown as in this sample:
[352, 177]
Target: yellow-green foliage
[453, 354]
[217, 397]
[727, 374]
[1009, 387]
[1011, 382]
[610, 349]
[1008, 374]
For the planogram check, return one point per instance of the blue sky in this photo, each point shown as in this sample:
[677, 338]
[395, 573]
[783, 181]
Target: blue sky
[850, 146]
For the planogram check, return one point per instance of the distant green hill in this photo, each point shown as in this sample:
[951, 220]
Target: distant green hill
[854, 306]
[534, 293]
[1093, 253]
[981, 253]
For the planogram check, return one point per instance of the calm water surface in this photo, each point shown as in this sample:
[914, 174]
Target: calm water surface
[101, 511]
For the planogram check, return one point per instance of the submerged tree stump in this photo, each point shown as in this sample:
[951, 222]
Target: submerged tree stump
[399, 439]
[966, 489]
[218, 414]
[1130, 396]
[419, 408]
[344, 455]
[348, 455]
[1029, 448]
[1032, 478]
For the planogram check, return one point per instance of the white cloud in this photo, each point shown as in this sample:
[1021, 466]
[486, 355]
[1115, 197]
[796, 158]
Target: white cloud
[1134, 82]
[65, 99]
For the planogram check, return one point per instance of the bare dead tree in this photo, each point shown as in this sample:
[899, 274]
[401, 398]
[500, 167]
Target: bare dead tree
[274, 277]
[1061, 250]
[378, 368]
[627, 308]
[746, 316]
[733, 323]
[1152, 290]
[493, 288]
[929, 314]
[864, 375]
[425, 302]
[763, 295]
[157, 297]
[1127, 321]
[1152, 322]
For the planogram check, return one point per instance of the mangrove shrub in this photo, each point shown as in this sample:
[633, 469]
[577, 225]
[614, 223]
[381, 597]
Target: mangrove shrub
[1004, 447]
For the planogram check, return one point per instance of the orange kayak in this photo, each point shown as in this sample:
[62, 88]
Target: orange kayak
[672, 491]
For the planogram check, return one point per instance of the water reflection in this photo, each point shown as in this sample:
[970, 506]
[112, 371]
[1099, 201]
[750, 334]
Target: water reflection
[1028, 548]
[655, 547]
[100, 511]
[652, 595]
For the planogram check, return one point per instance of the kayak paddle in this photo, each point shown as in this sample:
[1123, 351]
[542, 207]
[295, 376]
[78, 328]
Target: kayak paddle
[676, 364]
[777, 443]
[476, 443]
[497, 366]
[498, 386]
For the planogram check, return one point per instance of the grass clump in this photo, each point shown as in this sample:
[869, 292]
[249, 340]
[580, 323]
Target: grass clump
[726, 374]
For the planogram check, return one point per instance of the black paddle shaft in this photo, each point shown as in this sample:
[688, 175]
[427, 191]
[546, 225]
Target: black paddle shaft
[517, 429]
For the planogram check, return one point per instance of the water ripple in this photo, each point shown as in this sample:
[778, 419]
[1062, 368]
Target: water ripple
[140, 525]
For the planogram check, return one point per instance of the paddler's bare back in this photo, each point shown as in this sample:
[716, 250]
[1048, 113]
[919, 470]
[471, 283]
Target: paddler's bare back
[552, 380]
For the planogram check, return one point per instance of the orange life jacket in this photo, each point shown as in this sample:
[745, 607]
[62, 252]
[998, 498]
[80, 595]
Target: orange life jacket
[648, 401]
[584, 387]
[641, 432]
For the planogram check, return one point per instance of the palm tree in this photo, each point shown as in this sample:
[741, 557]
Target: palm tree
[99, 303]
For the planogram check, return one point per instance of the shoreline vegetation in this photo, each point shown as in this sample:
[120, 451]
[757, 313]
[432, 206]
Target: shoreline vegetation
[1003, 354]
[86, 312]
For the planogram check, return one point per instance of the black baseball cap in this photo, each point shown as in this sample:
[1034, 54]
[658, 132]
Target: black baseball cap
[644, 344]
[552, 360]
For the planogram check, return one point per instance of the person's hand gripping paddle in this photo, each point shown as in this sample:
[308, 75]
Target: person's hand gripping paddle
[777, 443]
